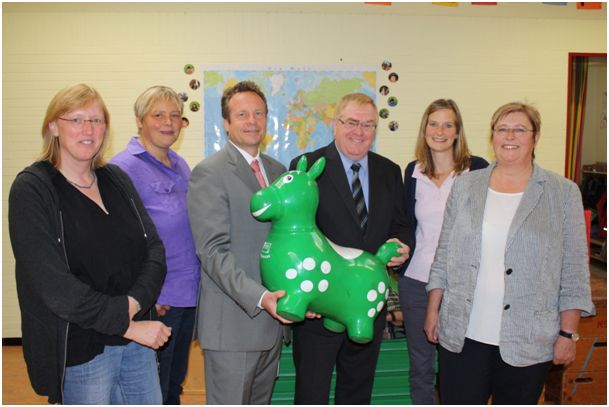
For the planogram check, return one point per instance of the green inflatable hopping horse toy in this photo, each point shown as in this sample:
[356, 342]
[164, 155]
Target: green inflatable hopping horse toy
[347, 286]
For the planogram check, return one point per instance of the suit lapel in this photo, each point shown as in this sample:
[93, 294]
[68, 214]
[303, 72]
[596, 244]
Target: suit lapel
[272, 170]
[241, 169]
[529, 201]
[336, 173]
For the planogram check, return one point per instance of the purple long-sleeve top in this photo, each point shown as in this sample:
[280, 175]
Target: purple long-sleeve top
[163, 191]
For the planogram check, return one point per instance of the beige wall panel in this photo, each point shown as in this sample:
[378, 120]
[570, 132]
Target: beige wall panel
[480, 56]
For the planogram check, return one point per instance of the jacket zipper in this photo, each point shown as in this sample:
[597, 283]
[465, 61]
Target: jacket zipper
[65, 345]
[139, 217]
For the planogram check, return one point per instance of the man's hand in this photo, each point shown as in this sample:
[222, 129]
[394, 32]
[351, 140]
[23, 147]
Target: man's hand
[404, 254]
[312, 315]
[153, 334]
[269, 304]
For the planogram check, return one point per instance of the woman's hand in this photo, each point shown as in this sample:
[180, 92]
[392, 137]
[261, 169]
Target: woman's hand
[153, 334]
[161, 310]
[431, 326]
[564, 351]
[434, 299]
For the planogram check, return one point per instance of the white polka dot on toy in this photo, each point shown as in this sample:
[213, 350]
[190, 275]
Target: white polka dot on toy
[371, 312]
[380, 305]
[371, 295]
[387, 294]
[308, 263]
[322, 286]
[306, 286]
[381, 287]
[291, 274]
[326, 267]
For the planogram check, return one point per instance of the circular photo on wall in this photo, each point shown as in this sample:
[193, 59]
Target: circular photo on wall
[384, 90]
[185, 122]
[194, 84]
[384, 113]
[393, 126]
[194, 106]
[393, 77]
[183, 96]
[386, 65]
[392, 101]
[189, 69]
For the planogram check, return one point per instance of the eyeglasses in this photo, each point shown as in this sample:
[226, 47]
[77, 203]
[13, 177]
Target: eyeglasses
[518, 131]
[80, 122]
[351, 124]
[173, 116]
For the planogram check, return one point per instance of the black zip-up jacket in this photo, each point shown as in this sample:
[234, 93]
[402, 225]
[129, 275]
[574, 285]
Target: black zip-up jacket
[50, 297]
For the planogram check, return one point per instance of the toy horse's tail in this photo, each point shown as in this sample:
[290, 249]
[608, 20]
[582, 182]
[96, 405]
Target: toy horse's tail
[387, 251]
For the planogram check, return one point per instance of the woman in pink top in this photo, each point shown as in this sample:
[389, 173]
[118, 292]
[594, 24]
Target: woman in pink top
[441, 155]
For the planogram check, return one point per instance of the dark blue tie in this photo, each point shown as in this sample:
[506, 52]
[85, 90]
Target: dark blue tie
[358, 197]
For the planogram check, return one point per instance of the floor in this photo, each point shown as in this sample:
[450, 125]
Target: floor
[16, 388]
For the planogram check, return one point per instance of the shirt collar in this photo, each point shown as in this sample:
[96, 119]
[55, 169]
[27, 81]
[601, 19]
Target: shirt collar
[348, 162]
[134, 147]
[248, 157]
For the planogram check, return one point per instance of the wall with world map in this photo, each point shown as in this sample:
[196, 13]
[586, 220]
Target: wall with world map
[301, 102]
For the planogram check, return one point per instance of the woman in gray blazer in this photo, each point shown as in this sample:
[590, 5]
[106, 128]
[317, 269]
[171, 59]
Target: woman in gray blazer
[510, 277]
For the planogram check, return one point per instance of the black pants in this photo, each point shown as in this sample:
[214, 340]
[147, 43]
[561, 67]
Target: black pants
[317, 350]
[478, 372]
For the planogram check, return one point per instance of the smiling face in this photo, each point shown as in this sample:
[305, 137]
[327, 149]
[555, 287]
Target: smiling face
[355, 142]
[246, 123]
[160, 127]
[441, 130]
[79, 143]
[514, 140]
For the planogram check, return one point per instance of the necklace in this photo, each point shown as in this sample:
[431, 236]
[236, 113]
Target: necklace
[84, 186]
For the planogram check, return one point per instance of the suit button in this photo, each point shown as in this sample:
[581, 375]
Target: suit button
[508, 271]
[507, 307]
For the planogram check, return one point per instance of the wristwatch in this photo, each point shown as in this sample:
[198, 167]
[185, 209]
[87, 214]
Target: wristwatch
[574, 336]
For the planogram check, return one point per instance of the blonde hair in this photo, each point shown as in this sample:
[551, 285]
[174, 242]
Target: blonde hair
[518, 107]
[461, 153]
[359, 99]
[145, 102]
[67, 100]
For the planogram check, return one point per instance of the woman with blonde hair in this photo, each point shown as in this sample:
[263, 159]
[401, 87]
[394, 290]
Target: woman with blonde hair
[161, 177]
[89, 264]
[510, 277]
[442, 155]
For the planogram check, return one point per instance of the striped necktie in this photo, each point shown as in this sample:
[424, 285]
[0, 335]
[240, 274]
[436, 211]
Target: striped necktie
[358, 197]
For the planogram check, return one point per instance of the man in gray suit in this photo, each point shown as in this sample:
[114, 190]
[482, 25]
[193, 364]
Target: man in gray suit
[237, 323]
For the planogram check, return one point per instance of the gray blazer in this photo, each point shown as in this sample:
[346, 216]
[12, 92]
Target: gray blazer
[546, 260]
[228, 242]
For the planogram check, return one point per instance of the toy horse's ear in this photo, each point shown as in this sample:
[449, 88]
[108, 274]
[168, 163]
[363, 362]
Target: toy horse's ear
[302, 163]
[317, 168]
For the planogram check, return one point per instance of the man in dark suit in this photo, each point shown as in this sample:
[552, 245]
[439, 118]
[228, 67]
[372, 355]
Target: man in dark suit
[237, 324]
[361, 206]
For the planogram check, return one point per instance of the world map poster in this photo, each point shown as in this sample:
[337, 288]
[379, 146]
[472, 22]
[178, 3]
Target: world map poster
[301, 103]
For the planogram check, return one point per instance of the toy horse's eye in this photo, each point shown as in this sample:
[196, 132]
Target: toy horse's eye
[288, 178]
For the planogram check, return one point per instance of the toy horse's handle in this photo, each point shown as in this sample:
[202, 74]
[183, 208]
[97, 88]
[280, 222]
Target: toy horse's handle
[387, 251]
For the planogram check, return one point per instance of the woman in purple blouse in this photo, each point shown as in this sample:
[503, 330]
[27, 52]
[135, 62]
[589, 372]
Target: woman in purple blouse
[161, 178]
[442, 154]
